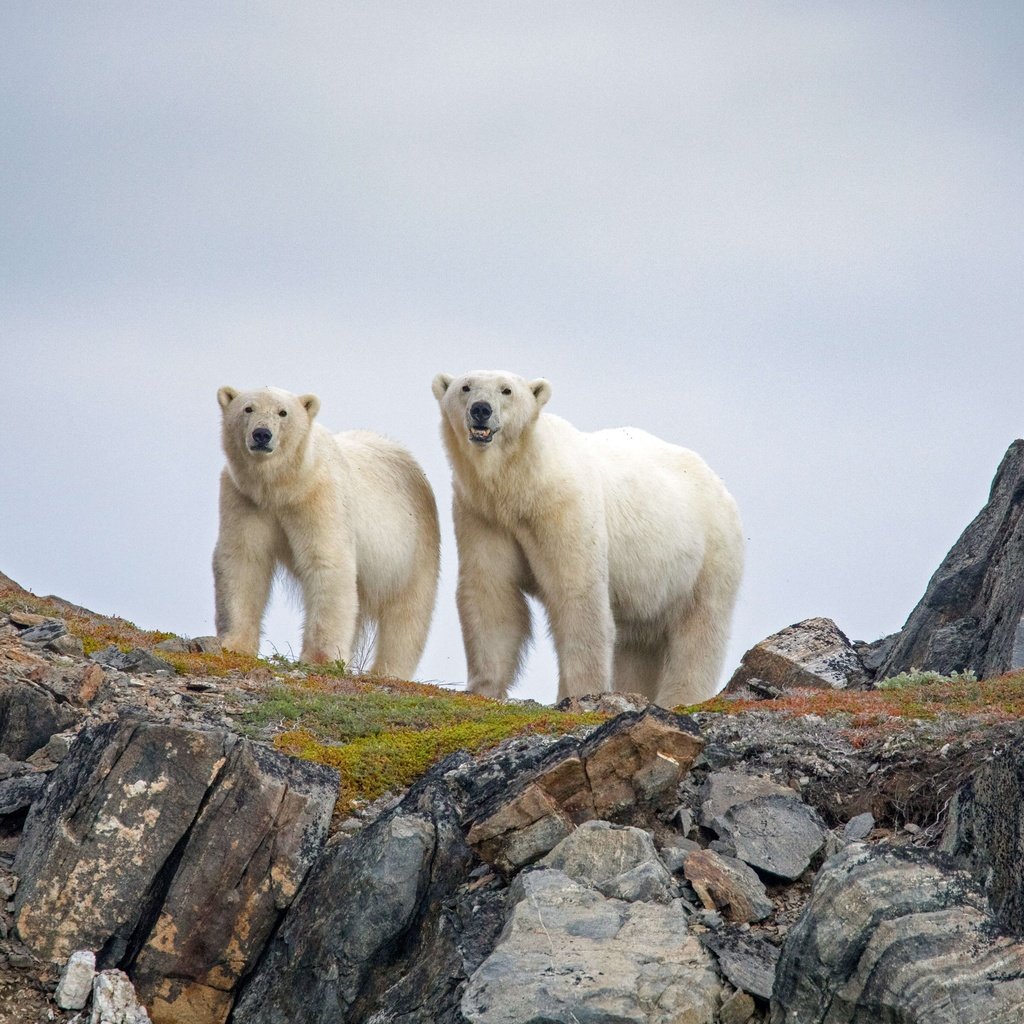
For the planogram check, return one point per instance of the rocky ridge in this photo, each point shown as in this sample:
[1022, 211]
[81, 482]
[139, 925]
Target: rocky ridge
[771, 856]
[654, 868]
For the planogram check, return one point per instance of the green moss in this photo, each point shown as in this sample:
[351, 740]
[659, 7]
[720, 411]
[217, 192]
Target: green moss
[331, 670]
[387, 759]
[342, 717]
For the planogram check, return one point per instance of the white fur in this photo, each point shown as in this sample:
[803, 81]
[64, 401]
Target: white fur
[633, 546]
[350, 515]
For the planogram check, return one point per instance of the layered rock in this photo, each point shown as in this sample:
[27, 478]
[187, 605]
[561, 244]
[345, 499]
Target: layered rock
[341, 947]
[569, 954]
[984, 832]
[970, 614]
[634, 762]
[894, 935]
[172, 853]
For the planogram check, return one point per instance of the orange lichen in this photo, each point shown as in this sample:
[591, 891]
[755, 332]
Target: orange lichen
[998, 699]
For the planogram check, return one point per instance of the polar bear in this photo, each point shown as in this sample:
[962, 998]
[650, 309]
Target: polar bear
[350, 515]
[633, 546]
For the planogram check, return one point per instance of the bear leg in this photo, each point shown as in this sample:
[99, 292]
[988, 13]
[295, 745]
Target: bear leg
[583, 632]
[696, 644]
[493, 610]
[243, 568]
[331, 608]
[637, 670]
[402, 627]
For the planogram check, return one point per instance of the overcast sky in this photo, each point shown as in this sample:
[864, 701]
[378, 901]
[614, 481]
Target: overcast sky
[787, 235]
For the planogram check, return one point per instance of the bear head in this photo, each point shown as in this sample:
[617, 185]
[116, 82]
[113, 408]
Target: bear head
[489, 407]
[268, 424]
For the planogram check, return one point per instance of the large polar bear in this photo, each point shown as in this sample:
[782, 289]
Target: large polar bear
[633, 546]
[350, 515]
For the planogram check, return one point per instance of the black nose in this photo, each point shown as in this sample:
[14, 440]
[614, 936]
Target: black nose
[480, 411]
[261, 436]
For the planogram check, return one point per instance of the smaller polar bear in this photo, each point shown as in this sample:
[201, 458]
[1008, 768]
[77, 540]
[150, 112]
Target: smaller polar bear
[633, 546]
[350, 515]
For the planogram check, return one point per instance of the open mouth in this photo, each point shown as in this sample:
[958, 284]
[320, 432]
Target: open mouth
[263, 448]
[481, 435]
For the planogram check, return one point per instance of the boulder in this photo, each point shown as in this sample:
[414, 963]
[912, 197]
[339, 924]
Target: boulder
[29, 716]
[173, 853]
[20, 791]
[45, 632]
[569, 954]
[737, 1009]
[896, 935]
[114, 1000]
[748, 961]
[634, 761]
[617, 860]
[777, 836]
[727, 885]
[813, 653]
[970, 614]
[723, 790]
[858, 827]
[135, 660]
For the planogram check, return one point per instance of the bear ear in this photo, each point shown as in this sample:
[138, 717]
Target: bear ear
[225, 396]
[311, 404]
[440, 385]
[541, 389]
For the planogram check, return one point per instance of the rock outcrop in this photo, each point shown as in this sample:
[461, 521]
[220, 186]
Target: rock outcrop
[406, 877]
[892, 935]
[634, 763]
[172, 853]
[970, 614]
[984, 833]
[699, 869]
[568, 954]
[813, 653]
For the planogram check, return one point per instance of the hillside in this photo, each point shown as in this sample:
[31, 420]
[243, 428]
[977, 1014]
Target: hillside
[232, 839]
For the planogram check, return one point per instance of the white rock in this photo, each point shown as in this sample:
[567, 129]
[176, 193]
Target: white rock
[76, 981]
[114, 1000]
[617, 860]
[568, 954]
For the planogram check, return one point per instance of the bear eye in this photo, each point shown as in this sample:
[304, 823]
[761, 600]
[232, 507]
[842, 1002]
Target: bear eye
[465, 387]
[283, 412]
[248, 408]
[506, 391]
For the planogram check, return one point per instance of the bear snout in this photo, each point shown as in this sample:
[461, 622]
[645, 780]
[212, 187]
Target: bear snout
[261, 438]
[482, 423]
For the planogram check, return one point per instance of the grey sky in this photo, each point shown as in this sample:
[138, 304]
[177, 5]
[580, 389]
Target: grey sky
[786, 235]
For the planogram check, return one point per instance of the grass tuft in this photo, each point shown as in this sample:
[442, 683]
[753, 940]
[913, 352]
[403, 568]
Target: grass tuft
[915, 677]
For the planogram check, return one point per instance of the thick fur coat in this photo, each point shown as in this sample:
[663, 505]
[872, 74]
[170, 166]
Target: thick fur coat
[351, 516]
[633, 546]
